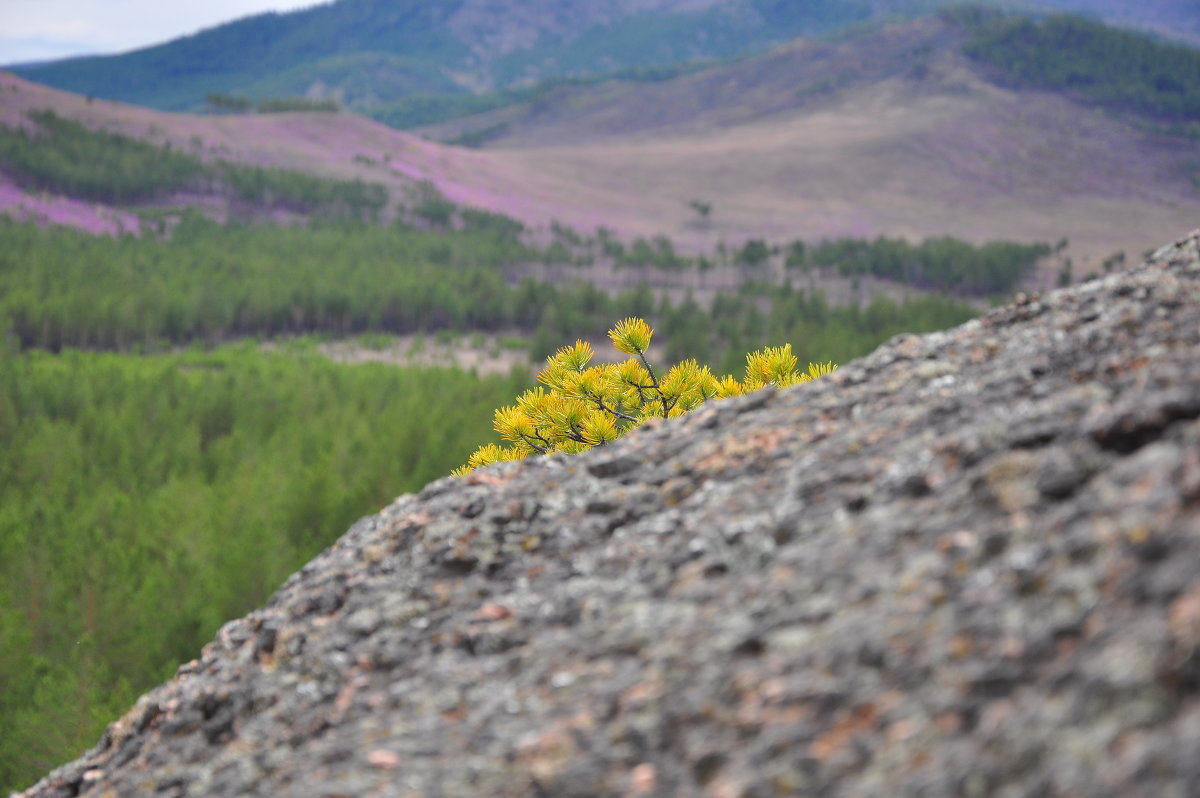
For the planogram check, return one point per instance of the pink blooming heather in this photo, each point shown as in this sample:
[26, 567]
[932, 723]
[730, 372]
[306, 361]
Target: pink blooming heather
[52, 210]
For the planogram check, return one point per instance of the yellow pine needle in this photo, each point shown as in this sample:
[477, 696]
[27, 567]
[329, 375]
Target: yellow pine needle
[598, 428]
[728, 386]
[574, 357]
[707, 384]
[682, 377]
[570, 384]
[632, 373]
[591, 383]
[772, 364]
[533, 401]
[568, 415]
[513, 424]
[486, 455]
[552, 375]
[818, 370]
[571, 446]
[586, 407]
[631, 336]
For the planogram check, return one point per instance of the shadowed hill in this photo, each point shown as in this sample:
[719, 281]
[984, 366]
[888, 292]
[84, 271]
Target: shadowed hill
[965, 564]
[368, 53]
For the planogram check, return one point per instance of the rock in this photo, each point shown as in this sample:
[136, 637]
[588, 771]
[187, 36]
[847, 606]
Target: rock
[966, 564]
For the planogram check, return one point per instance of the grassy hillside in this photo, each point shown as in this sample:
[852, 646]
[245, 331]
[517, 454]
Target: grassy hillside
[1082, 58]
[66, 157]
[814, 140]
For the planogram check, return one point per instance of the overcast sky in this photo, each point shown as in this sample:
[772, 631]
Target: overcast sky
[32, 30]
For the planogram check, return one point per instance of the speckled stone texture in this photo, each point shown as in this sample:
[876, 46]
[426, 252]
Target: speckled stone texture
[965, 565]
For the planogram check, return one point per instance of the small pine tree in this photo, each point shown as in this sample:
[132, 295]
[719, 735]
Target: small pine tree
[588, 406]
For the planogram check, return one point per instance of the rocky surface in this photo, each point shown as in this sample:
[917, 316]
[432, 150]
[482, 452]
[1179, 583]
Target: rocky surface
[965, 565]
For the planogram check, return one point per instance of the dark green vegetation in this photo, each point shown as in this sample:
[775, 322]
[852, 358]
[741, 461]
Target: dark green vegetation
[375, 53]
[59, 288]
[817, 331]
[415, 110]
[64, 289]
[64, 156]
[1117, 68]
[945, 264]
[145, 500]
[394, 60]
[225, 103]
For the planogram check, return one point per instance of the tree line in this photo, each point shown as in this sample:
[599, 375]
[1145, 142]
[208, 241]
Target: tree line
[233, 103]
[60, 288]
[1117, 68]
[943, 263]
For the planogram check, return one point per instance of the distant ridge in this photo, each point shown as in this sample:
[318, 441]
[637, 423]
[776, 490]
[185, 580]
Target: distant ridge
[368, 53]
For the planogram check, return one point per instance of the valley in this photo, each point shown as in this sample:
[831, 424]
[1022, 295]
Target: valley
[227, 331]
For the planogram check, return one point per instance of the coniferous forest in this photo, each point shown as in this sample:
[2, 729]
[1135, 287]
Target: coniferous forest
[1118, 68]
[146, 500]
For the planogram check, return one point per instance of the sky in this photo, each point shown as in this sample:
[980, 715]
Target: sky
[35, 30]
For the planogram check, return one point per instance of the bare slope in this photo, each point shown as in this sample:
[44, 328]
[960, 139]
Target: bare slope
[966, 564]
[894, 133]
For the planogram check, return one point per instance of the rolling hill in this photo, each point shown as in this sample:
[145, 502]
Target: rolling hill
[370, 54]
[896, 132]
[893, 132]
[370, 51]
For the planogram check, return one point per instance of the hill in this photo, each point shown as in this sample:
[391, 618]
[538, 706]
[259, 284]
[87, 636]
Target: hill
[893, 132]
[963, 564]
[367, 51]
[371, 53]
[340, 147]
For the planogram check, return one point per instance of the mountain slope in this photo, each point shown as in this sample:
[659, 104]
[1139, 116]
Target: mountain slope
[343, 146]
[966, 563]
[370, 52]
[435, 47]
[894, 133]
